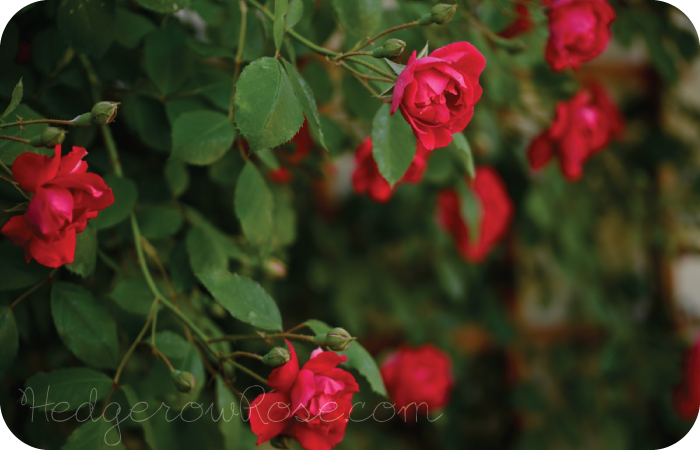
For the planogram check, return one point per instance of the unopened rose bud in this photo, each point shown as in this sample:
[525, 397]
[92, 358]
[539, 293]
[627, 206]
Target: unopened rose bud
[184, 381]
[276, 357]
[442, 13]
[392, 48]
[50, 137]
[336, 339]
[104, 113]
[275, 268]
[83, 120]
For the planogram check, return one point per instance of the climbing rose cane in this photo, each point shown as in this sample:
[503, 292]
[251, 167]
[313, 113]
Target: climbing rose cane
[65, 198]
[495, 215]
[419, 380]
[311, 405]
[437, 93]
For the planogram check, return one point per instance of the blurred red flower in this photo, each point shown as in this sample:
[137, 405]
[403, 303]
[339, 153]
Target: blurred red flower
[495, 215]
[686, 397]
[419, 380]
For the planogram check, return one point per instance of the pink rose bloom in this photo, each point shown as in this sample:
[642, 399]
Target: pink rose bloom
[436, 94]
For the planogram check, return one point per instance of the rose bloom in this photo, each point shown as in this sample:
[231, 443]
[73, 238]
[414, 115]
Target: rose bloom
[436, 94]
[686, 396]
[579, 30]
[495, 215]
[366, 177]
[65, 198]
[419, 380]
[311, 405]
[521, 25]
[302, 143]
[582, 127]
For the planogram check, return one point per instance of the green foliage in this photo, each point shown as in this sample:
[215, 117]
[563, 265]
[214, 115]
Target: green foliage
[361, 18]
[254, 206]
[98, 435]
[9, 340]
[85, 253]
[202, 137]
[75, 387]
[308, 102]
[88, 26]
[245, 299]
[266, 110]
[125, 194]
[17, 94]
[393, 144]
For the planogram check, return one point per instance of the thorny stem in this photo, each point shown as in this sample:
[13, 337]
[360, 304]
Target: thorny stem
[359, 46]
[16, 139]
[243, 355]
[349, 54]
[244, 369]
[35, 288]
[318, 49]
[23, 123]
[7, 169]
[16, 186]
[239, 54]
[298, 327]
[364, 76]
[262, 336]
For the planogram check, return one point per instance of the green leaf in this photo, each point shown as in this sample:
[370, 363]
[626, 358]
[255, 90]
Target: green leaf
[84, 325]
[359, 17]
[236, 435]
[9, 150]
[280, 24]
[254, 206]
[397, 68]
[465, 153]
[148, 118]
[202, 137]
[75, 386]
[164, 6]
[295, 13]
[221, 239]
[308, 102]
[177, 176]
[148, 428]
[85, 253]
[15, 273]
[159, 222]
[205, 254]
[268, 158]
[95, 435]
[125, 194]
[9, 340]
[285, 217]
[132, 28]
[245, 299]
[358, 358]
[394, 145]
[470, 210]
[17, 94]
[134, 296]
[267, 112]
[164, 60]
[183, 356]
[87, 25]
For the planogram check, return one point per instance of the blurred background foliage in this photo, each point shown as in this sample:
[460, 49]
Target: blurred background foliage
[570, 335]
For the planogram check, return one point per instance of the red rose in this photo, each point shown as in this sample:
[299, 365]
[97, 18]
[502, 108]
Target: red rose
[65, 198]
[579, 30]
[366, 177]
[686, 396]
[311, 405]
[495, 215]
[419, 380]
[437, 93]
[302, 143]
[583, 126]
[522, 24]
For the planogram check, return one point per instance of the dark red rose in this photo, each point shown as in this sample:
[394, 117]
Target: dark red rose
[419, 380]
[367, 179]
[65, 198]
[436, 94]
[302, 144]
[582, 127]
[495, 215]
[521, 25]
[579, 30]
[311, 405]
[686, 396]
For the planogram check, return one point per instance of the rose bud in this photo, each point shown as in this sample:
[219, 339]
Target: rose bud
[83, 120]
[275, 268]
[336, 339]
[442, 13]
[184, 381]
[276, 357]
[392, 48]
[104, 113]
[50, 138]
